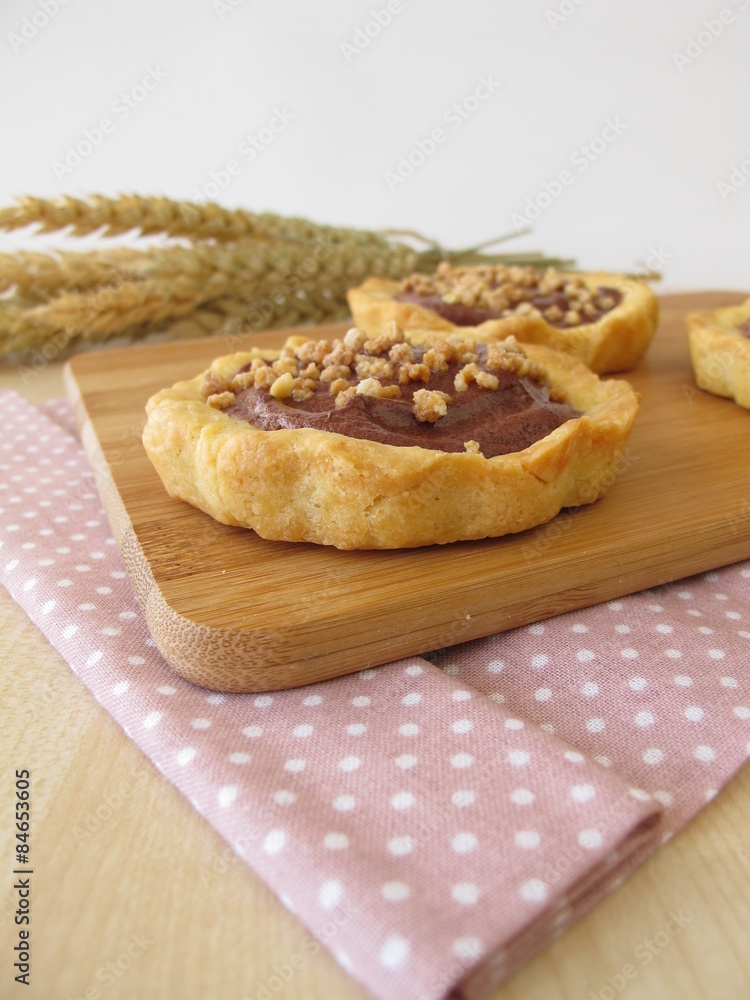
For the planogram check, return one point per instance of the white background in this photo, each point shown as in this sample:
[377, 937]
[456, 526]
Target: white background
[354, 112]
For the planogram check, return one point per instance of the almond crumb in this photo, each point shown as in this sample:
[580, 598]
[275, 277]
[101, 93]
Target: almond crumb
[243, 380]
[368, 367]
[221, 400]
[332, 372]
[374, 387]
[473, 373]
[355, 339]
[557, 394]
[339, 385]
[264, 377]
[283, 386]
[285, 366]
[429, 405]
[377, 346]
[304, 389]
[343, 397]
[400, 353]
[435, 361]
[487, 381]
[413, 373]
[312, 350]
[213, 384]
[472, 447]
[393, 333]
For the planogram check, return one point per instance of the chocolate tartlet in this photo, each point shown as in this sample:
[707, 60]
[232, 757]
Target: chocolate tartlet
[389, 442]
[605, 320]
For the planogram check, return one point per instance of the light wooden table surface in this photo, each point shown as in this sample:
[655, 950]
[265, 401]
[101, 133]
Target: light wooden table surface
[155, 904]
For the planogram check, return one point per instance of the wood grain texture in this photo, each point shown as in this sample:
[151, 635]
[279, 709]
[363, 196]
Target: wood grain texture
[260, 615]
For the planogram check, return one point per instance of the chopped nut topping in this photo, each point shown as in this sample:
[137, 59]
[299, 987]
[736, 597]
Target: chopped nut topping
[243, 380]
[377, 345]
[413, 373]
[393, 333]
[213, 384]
[339, 385]
[435, 361]
[507, 357]
[572, 318]
[390, 372]
[283, 386]
[310, 371]
[429, 405]
[313, 351]
[264, 377]
[220, 400]
[510, 290]
[285, 366]
[496, 301]
[436, 392]
[332, 372]
[473, 373]
[368, 367]
[355, 339]
[338, 355]
[526, 309]
[304, 388]
[468, 357]
[401, 353]
[369, 387]
[374, 387]
[487, 381]
[557, 394]
[343, 397]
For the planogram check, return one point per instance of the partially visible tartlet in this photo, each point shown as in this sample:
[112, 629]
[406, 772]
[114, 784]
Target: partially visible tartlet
[605, 320]
[720, 351]
[386, 442]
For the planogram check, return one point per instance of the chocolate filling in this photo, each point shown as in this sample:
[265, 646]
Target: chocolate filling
[744, 329]
[462, 315]
[501, 421]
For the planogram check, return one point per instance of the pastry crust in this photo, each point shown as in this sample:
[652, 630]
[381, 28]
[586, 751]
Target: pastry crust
[613, 343]
[317, 486]
[720, 353]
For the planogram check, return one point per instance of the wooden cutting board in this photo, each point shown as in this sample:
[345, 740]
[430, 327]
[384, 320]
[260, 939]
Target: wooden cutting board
[234, 612]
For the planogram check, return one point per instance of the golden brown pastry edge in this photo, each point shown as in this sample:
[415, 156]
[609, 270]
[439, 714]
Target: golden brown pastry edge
[316, 486]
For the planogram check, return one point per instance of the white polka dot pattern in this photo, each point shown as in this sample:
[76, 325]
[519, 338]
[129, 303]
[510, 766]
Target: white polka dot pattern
[664, 678]
[529, 764]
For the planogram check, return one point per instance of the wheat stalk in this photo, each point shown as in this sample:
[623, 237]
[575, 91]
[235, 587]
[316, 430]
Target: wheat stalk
[238, 271]
[152, 215]
[36, 274]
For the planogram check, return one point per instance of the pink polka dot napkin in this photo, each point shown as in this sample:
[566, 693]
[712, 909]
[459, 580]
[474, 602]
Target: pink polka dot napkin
[433, 822]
